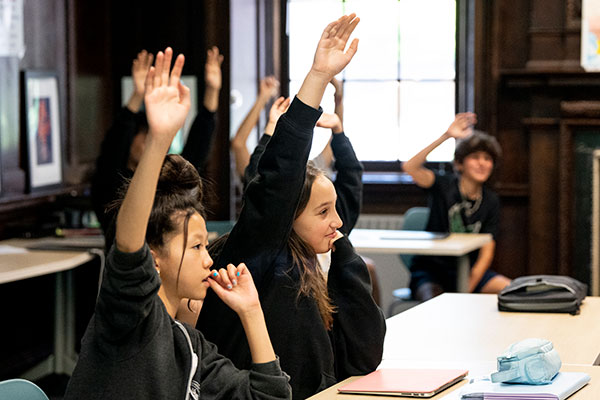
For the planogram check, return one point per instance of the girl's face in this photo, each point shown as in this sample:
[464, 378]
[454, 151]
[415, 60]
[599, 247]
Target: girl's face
[318, 222]
[477, 166]
[194, 270]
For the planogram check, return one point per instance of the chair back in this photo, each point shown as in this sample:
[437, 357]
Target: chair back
[21, 389]
[218, 228]
[415, 219]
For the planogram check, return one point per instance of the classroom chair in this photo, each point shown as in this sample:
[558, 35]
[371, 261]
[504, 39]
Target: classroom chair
[415, 219]
[21, 389]
[218, 228]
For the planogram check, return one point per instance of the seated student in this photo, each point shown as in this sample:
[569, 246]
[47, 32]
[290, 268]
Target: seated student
[267, 90]
[133, 347]
[459, 203]
[348, 182]
[124, 142]
[323, 330]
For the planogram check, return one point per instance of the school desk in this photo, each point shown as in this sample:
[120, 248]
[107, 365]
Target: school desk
[459, 245]
[457, 326]
[22, 264]
[589, 392]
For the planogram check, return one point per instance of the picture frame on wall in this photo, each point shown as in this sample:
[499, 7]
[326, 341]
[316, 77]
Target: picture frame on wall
[43, 131]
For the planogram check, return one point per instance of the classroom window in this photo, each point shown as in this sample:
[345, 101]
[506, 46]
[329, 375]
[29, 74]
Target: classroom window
[400, 88]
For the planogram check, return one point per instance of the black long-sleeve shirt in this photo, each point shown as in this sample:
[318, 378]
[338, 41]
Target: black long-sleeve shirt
[133, 349]
[314, 357]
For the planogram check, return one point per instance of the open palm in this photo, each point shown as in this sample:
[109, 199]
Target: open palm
[167, 99]
[330, 58]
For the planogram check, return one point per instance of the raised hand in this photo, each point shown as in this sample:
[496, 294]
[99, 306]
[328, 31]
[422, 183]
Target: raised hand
[462, 126]
[330, 58]
[139, 70]
[278, 108]
[167, 99]
[269, 86]
[330, 121]
[212, 68]
[235, 287]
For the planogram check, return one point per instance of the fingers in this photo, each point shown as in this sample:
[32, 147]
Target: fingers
[349, 27]
[285, 104]
[229, 277]
[150, 80]
[352, 49]
[166, 66]
[158, 66]
[176, 71]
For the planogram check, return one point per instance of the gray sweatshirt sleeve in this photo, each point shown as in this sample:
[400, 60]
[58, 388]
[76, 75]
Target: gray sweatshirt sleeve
[222, 380]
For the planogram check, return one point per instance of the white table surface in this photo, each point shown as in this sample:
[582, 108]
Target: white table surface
[392, 242]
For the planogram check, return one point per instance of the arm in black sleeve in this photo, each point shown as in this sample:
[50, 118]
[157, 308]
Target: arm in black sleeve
[271, 198]
[114, 154]
[200, 139]
[358, 325]
[252, 168]
[221, 379]
[348, 182]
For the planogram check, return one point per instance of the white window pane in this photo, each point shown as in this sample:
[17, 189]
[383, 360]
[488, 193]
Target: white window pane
[427, 39]
[306, 21]
[426, 111]
[371, 119]
[377, 56]
[321, 135]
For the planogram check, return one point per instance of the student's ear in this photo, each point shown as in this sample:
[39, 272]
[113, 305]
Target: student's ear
[156, 259]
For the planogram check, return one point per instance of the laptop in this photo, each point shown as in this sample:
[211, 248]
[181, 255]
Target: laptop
[421, 383]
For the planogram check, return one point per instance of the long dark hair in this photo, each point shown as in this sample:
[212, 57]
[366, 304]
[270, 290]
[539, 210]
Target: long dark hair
[312, 279]
[178, 196]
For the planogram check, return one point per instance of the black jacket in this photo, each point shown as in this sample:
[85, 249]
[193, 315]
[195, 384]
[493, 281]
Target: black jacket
[313, 357]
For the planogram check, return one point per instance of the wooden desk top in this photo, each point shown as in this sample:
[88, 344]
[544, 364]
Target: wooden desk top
[15, 267]
[454, 327]
[589, 392]
[391, 242]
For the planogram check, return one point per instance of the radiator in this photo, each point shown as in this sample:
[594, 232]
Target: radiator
[380, 221]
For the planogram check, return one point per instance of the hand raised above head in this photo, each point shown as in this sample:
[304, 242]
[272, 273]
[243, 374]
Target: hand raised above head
[330, 121]
[167, 99]
[269, 86]
[462, 126]
[330, 58]
[212, 68]
[139, 70]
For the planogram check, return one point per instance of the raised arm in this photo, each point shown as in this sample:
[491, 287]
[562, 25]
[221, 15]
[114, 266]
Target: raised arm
[167, 104]
[270, 199]
[338, 98]
[268, 88]
[348, 181]
[461, 127]
[139, 70]
[278, 108]
[212, 78]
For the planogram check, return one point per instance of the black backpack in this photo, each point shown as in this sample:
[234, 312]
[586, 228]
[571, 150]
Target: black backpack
[543, 293]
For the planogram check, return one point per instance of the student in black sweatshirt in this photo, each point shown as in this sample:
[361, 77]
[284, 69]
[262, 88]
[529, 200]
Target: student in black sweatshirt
[133, 347]
[123, 144]
[324, 330]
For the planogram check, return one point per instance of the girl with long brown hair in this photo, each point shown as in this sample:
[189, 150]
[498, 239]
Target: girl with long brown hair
[324, 330]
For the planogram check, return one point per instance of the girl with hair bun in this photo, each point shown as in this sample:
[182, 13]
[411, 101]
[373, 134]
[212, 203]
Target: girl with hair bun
[133, 347]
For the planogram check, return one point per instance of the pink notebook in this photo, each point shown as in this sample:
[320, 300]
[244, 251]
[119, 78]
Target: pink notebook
[405, 382]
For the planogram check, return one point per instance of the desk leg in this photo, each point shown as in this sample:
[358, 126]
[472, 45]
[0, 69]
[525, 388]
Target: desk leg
[463, 272]
[63, 360]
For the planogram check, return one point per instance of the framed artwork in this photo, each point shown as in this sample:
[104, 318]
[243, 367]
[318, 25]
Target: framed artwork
[590, 35]
[42, 130]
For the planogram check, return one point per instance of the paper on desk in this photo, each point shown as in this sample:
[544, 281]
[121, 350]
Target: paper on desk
[562, 386]
[6, 249]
